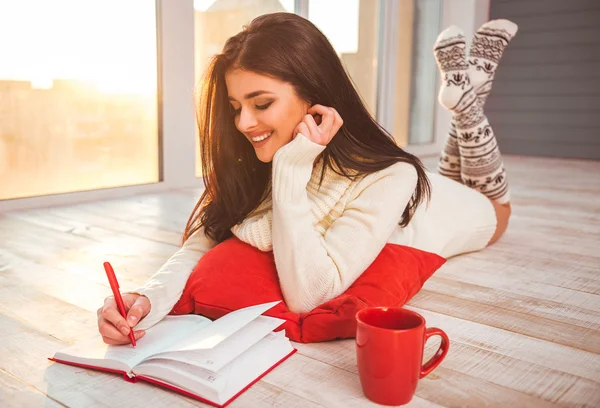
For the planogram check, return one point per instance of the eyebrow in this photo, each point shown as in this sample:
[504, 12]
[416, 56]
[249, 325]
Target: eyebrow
[252, 95]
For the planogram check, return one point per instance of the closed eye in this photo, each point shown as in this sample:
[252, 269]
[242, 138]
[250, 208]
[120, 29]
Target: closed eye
[259, 107]
[263, 107]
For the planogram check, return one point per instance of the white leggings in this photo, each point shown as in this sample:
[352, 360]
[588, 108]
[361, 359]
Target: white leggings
[455, 221]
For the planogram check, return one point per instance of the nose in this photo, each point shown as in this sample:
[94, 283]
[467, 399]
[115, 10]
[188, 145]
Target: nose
[246, 120]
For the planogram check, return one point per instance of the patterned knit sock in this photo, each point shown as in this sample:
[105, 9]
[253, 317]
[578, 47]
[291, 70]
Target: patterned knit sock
[449, 164]
[487, 48]
[449, 51]
[480, 160]
[455, 92]
[481, 165]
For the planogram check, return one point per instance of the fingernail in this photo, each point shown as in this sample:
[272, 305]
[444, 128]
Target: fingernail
[140, 335]
[132, 320]
[125, 330]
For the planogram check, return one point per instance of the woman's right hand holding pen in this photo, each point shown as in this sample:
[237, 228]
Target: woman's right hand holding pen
[113, 327]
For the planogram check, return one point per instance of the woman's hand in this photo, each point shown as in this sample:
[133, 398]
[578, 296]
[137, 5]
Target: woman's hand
[113, 327]
[329, 123]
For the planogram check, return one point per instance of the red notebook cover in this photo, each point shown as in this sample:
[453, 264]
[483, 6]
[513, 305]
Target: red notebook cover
[172, 387]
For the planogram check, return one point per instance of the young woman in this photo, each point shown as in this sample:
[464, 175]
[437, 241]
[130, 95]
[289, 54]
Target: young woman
[294, 163]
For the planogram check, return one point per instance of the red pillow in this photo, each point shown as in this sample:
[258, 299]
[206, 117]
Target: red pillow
[234, 275]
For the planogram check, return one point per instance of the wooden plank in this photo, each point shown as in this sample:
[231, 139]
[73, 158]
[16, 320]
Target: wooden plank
[514, 117]
[546, 239]
[557, 357]
[528, 216]
[476, 392]
[443, 386]
[170, 210]
[192, 193]
[553, 37]
[585, 70]
[481, 274]
[577, 103]
[518, 8]
[494, 316]
[84, 250]
[575, 220]
[584, 257]
[531, 379]
[327, 385]
[66, 285]
[545, 134]
[547, 196]
[80, 218]
[587, 151]
[558, 55]
[539, 250]
[264, 394]
[533, 264]
[553, 165]
[573, 18]
[17, 394]
[527, 305]
[555, 187]
[546, 87]
[528, 378]
[45, 313]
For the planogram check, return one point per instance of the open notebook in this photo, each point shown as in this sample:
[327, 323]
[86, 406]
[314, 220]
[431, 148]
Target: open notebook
[213, 361]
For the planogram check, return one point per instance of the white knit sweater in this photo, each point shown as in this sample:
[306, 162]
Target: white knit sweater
[324, 238]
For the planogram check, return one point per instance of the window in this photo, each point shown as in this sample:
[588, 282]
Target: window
[78, 96]
[424, 73]
[408, 93]
[354, 35]
[407, 98]
[79, 110]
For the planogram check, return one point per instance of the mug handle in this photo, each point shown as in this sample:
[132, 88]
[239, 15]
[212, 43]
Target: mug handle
[439, 355]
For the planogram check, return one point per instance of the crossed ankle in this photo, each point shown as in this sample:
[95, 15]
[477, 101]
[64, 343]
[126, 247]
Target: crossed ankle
[487, 48]
[450, 54]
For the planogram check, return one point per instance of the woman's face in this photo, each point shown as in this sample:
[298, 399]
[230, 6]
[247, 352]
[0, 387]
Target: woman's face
[267, 110]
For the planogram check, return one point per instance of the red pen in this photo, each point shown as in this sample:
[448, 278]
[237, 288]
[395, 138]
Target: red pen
[114, 285]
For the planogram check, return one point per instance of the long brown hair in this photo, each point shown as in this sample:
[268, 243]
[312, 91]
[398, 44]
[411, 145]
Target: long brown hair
[292, 49]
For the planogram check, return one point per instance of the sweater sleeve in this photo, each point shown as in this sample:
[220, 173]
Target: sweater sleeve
[315, 268]
[165, 287]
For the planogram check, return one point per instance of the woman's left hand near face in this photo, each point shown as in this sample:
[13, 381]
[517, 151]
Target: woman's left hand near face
[322, 133]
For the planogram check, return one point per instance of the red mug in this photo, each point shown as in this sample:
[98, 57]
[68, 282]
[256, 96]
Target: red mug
[389, 353]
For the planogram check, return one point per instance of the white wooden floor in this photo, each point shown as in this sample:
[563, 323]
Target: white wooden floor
[523, 316]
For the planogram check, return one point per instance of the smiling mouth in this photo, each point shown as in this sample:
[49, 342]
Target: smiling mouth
[261, 138]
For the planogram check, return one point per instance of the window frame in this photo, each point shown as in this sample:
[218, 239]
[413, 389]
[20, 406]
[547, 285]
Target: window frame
[175, 109]
[467, 14]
